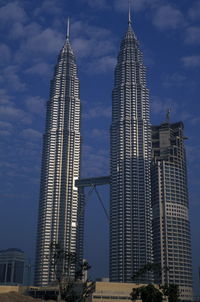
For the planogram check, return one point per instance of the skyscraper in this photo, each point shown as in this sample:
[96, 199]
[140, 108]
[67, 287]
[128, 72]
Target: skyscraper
[58, 205]
[171, 227]
[130, 208]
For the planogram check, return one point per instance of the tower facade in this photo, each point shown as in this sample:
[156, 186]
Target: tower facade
[171, 227]
[130, 208]
[59, 203]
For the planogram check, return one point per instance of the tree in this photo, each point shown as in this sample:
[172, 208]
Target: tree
[59, 259]
[135, 294]
[147, 293]
[172, 291]
[149, 267]
[70, 289]
[150, 293]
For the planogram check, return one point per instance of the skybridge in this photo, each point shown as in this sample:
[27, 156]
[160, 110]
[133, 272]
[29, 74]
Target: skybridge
[93, 182]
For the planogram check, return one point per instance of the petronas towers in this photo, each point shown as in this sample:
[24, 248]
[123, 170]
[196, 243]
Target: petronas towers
[58, 207]
[130, 202]
[134, 234]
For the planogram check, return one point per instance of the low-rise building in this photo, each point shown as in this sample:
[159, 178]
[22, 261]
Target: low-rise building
[14, 267]
[115, 292]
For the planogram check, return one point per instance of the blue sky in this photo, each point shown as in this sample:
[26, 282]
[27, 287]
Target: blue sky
[32, 33]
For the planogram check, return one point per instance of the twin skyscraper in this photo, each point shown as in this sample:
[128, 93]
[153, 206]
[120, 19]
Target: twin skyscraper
[148, 179]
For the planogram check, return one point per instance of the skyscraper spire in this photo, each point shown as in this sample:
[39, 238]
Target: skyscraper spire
[168, 115]
[68, 29]
[129, 12]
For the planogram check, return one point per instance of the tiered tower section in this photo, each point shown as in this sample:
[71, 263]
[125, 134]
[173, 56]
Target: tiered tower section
[130, 217]
[58, 206]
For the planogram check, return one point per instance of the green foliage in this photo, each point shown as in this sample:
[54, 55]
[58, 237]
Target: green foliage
[172, 291]
[150, 294]
[71, 289]
[149, 267]
[135, 294]
[147, 293]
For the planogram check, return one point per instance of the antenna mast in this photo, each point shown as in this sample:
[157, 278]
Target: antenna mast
[68, 29]
[129, 12]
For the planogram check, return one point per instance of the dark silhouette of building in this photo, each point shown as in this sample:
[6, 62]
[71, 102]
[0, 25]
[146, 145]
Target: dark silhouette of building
[14, 267]
[171, 226]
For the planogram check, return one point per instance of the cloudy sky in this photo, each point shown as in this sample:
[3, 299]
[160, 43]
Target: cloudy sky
[32, 33]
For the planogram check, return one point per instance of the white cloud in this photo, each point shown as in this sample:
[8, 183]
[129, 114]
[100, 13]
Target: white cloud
[92, 41]
[19, 30]
[12, 12]
[195, 120]
[35, 44]
[50, 7]
[184, 116]
[26, 120]
[31, 134]
[82, 47]
[48, 41]
[102, 65]
[144, 4]
[194, 11]
[82, 28]
[121, 5]
[41, 69]
[97, 112]
[166, 17]
[5, 98]
[4, 133]
[191, 61]
[11, 78]
[5, 125]
[6, 164]
[35, 104]
[5, 54]
[137, 5]
[193, 153]
[192, 35]
[175, 79]
[95, 162]
[160, 106]
[99, 4]
[88, 42]
[149, 57]
[10, 113]
[99, 133]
